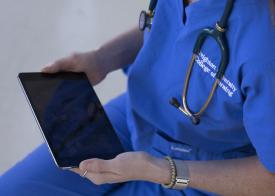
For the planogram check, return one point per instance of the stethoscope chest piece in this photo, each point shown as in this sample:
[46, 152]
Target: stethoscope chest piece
[145, 20]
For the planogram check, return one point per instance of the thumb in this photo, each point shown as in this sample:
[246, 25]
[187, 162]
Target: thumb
[97, 166]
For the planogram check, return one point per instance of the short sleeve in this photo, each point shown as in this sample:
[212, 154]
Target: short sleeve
[258, 86]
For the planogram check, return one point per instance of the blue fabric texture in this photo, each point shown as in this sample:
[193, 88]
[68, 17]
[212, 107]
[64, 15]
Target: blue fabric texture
[239, 121]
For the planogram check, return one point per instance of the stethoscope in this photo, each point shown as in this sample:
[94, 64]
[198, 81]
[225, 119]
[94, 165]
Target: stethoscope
[218, 34]
[146, 18]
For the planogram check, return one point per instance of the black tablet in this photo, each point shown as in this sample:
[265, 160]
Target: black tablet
[71, 117]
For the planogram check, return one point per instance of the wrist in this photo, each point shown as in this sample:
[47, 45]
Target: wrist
[170, 173]
[99, 60]
[108, 59]
[160, 171]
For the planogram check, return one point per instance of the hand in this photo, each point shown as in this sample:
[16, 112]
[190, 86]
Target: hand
[80, 62]
[125, 167]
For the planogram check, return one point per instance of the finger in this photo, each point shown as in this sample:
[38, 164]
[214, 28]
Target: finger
[77, 171]
[64, 64]
[51, 68]
[55, 67]
[47, 67]
[98, 166]
[104, 178]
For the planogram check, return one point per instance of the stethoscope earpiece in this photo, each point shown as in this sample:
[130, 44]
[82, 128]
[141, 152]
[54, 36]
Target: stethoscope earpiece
[195, 120]
[174, 102]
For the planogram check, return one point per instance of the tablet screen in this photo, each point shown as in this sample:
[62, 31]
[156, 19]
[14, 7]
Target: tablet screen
[71, 117]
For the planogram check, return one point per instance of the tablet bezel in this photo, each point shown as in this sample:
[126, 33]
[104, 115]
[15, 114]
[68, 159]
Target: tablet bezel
[36, 76]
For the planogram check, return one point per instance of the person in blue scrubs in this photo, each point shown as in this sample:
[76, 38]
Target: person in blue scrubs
[231, 151]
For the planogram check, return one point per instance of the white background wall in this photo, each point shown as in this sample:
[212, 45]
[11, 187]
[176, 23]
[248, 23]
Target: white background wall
[36, 32]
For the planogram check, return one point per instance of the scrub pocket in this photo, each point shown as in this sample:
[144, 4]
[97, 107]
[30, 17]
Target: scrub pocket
[163, 145]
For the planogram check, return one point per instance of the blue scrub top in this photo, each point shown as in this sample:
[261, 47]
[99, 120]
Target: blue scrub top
[239, 121]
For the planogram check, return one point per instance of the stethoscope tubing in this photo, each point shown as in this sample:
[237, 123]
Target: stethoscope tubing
[218, 34]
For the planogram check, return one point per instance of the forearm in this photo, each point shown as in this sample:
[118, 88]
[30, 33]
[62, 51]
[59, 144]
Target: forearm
[244, 176]
[120, 51]
[240, 177]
